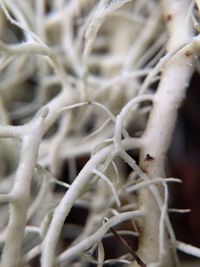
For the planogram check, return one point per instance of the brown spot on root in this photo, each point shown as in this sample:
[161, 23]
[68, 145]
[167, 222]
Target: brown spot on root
[140, 229]
[149, 157]
[168, 17]
[188, 53]
[144, 170]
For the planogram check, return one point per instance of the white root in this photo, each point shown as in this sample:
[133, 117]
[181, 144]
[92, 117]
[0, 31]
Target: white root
[89, 97]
